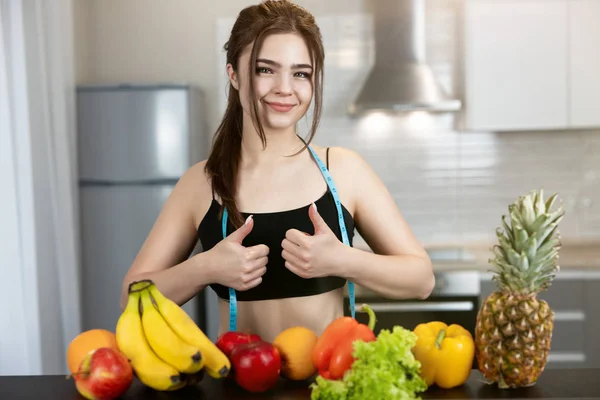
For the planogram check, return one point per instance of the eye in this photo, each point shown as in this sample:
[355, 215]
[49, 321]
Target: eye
[304, 75]
[263, 70]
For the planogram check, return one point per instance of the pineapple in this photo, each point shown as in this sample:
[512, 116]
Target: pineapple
[514, 328]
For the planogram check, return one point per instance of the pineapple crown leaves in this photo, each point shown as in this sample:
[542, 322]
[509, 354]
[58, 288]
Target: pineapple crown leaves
[526, 256]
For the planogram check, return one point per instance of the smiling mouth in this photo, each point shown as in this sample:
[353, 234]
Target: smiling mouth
[280, 107]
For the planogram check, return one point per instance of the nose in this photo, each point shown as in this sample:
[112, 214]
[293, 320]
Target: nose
[284, 85]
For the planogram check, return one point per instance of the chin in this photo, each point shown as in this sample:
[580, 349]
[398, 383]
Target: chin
[279, 126]
[280, 123]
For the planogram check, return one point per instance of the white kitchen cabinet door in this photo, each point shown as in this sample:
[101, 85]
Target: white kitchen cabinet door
[584, 63]
[516, 64]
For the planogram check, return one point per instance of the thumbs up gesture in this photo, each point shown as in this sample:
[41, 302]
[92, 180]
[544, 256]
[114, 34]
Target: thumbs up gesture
[237, 266]
[312, 256]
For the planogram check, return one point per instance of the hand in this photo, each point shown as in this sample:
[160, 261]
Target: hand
[237, 266]
[312, 256]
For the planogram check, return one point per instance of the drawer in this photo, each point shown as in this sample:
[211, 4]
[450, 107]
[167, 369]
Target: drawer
[592, 323]
[567, 360]
[566, 295]
[568, 335]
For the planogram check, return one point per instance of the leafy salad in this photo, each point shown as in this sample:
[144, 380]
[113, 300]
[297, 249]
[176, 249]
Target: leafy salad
[383, 369]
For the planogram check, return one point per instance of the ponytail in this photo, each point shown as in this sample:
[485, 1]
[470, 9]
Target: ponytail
[224, 159]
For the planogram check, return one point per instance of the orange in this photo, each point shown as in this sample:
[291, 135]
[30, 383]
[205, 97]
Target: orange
[87, 341]
[296, 345]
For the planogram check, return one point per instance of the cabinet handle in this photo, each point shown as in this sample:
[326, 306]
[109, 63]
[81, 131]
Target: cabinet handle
[426, 306]
[566, 357]
[569, 316]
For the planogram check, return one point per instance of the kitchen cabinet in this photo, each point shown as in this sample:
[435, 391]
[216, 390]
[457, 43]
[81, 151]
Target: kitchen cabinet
[592, 328]
[572, 296]
[531, 64]
[584, 63]
[515, 65]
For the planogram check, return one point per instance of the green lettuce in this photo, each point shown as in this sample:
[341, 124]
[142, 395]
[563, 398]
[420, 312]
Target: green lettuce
[383, 369]
[326, 389]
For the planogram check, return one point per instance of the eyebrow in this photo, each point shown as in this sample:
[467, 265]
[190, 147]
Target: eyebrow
[278, 65]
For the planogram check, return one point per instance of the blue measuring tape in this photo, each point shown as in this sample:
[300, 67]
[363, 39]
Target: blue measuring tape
[338, 206]
[232, 296]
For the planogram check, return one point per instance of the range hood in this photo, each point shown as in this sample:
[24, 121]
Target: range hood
[400, 80]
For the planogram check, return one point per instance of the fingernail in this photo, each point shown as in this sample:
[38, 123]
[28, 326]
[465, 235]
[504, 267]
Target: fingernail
[314, 206]
[248, 220]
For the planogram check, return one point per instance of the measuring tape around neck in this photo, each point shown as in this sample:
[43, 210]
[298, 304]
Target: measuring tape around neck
[342, 224]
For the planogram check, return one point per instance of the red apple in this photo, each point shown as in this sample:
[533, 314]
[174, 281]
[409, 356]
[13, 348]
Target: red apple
[230, 340]
[257, 366]
[104, 373]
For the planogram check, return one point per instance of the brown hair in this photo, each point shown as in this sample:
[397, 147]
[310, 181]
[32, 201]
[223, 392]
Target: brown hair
[252, 26]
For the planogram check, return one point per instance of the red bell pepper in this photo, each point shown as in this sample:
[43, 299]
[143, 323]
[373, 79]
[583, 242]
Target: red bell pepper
[332, 354]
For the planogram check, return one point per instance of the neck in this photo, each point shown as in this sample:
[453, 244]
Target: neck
[280, 144]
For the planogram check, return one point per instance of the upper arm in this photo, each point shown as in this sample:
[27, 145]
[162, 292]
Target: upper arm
[377, 217]
[173, 235]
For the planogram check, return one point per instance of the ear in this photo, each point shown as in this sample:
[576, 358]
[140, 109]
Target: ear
[232, 77]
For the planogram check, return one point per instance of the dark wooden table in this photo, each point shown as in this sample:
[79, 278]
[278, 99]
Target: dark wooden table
[553, 384]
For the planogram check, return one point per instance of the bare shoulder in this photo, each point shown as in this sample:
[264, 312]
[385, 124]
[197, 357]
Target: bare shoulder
[195, 178]
[348, 160]
[349, 165]
[195, 191]
[341, 158]
[348, 168]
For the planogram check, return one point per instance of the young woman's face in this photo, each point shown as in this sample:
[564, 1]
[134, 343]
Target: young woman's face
[283, 81]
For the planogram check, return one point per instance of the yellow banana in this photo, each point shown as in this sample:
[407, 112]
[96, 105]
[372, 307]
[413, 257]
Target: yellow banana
[152, 377]
[149, 369]
[139, 285]
[165, 343]
[216, 363]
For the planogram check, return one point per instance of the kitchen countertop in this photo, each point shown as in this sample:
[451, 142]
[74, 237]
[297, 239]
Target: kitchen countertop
[574, 254]
[553, 384]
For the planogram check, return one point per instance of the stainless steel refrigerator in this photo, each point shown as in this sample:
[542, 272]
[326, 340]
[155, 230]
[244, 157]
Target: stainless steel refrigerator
[134, 143]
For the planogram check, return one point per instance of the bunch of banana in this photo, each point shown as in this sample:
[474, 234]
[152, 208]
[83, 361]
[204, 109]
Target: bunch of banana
[166, 348]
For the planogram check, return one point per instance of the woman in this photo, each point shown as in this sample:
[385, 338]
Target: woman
[275, 215]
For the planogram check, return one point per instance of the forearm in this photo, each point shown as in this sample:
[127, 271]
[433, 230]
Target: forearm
[399, 277]
[180, 282]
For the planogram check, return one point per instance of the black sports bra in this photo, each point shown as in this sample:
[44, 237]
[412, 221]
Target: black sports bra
[270, 229]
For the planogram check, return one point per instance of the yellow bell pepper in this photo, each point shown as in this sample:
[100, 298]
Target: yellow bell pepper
[446, 353]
